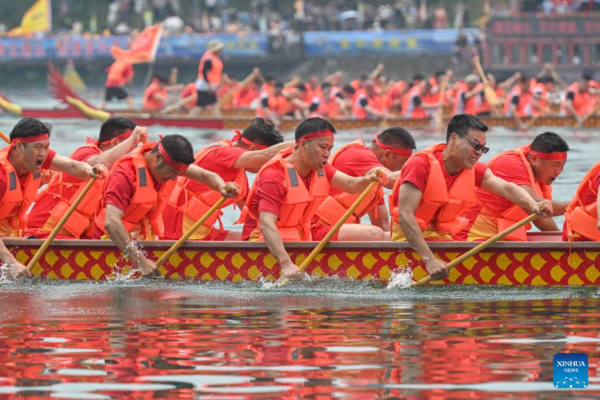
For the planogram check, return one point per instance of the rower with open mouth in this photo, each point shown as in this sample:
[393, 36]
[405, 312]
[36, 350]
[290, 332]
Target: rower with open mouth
[21, 165]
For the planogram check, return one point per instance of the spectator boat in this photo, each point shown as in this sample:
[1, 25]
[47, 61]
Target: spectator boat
[542, 261]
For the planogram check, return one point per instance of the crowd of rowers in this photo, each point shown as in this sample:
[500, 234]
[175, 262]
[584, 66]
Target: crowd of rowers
[371, 97]
[149, 190]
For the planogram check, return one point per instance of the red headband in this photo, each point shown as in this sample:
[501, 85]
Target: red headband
[238, 136]
[124, 135]
[555, 155]
[315, 135]
[395, 150]
[181, 167]
[30, 139]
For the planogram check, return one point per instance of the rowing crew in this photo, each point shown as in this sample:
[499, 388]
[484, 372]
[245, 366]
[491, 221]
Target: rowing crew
[368, 97]
[157, 190]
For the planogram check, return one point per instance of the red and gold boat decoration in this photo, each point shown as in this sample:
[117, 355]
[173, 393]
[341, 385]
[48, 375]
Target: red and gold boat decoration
[536, 263]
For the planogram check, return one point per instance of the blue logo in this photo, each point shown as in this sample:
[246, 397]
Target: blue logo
[570, 371]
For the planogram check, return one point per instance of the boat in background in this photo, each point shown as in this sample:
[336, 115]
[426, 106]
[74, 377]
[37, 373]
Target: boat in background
[77, 107]
[535, 263]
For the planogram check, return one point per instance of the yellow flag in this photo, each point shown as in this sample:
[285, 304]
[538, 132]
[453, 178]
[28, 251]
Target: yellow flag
[37, 19]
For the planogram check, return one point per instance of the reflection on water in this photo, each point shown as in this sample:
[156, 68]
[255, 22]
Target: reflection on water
[225, 340]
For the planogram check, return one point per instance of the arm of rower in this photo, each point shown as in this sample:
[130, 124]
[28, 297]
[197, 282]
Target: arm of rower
[373, 111]
[350, 184]
[571, 109]
[119, 235]
[474, 92]
[409, 198]
[18, 270]
[545, 224]
[110, 156]
[209, 178]
[78, 169]
[515, 113]
[512, 192]
[256, 159]
[392, 175]
[558, 207]
[379, 217]
[269, 230]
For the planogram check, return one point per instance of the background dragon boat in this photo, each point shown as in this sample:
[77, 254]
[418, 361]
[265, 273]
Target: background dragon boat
[77, 107]
[543, 263]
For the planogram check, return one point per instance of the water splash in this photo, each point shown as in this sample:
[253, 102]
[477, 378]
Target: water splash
[6, 275]
[122, 273]
[265, 283]
[401, 278]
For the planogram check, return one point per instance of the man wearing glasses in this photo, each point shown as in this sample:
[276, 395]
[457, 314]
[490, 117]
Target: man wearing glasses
[534, 167]
[438, 184]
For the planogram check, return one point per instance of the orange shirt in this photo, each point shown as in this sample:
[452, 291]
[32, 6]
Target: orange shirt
[151, 102]
[119, 73]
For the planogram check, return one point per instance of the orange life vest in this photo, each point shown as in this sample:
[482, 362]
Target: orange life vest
[440, 208]
[582, 102]
[484, 106]
[468, 106]
[196, 204]
[376, 102]
[214, 75]
[118, 74]
[409, 110]
[80, 221]
[334, 207]
[524, 106]
[278, 104]
[16, 200]
[515, 213]
[144, 213]
[299, 205]
[580, 219]
[150, 102]
[187, 91]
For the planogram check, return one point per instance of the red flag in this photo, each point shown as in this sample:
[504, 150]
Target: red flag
[144, 47]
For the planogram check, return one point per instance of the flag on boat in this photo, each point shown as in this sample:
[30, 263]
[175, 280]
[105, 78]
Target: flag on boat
[37, 19]
[144, 46]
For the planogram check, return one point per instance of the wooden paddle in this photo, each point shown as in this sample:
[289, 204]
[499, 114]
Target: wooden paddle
[488, 91]
[283, 280]
[175, 106]
[481, 247]
[60, 224]
[5, 137]
[190, 232]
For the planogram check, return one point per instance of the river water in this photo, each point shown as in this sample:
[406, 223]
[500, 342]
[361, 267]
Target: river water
[315, 339]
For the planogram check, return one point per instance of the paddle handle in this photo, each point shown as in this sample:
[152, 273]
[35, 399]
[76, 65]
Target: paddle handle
[440, 117]
[480, 71]
[60, 224]
[190, 232]
[283, 280]
[5, 137]
[481, 247]
[175, 106]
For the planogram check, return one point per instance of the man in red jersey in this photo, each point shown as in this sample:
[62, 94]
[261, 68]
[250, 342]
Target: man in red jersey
[387, 152]
[533, 167]
[120, 73]
[137, 191]
[21, 164]
[289, 189]
[438, 184]
[118, 136]
[248, 150]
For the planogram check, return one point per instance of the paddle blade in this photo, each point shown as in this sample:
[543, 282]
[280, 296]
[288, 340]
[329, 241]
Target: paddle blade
[491, 96]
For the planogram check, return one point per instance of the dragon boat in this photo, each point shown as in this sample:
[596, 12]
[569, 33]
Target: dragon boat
[76, 107]
[542, 261]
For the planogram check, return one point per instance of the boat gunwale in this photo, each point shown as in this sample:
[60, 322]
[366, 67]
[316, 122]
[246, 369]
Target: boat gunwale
[350, 246]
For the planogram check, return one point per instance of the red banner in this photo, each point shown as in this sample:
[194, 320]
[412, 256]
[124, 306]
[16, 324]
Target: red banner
[144, 47]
